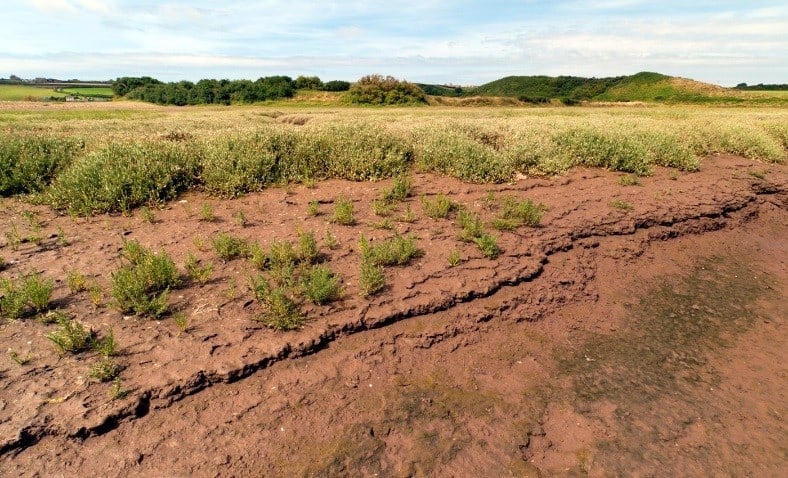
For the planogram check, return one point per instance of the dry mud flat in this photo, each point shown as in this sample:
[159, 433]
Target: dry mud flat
[643, 340]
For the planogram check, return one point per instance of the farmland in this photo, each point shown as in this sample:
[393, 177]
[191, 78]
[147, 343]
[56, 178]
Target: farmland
[401, 291]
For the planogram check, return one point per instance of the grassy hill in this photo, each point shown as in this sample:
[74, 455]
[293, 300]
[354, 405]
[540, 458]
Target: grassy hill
[644, 86]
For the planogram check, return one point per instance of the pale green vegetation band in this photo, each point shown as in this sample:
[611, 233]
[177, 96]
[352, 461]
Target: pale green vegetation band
[87, 173]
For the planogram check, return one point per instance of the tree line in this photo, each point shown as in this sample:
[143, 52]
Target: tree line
[205, 92]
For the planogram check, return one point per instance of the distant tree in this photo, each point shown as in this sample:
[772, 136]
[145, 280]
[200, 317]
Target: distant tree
[308, 83]
[336, 85]
[379, 90]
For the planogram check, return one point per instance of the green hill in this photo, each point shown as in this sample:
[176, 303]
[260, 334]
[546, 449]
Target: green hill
[644, 86]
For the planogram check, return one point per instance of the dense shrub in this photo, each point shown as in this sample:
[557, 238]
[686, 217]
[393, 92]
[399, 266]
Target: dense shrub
[336, 85]
[119, 177]
[308, 83]
[379, 90]
[214, 91]
[29, 164]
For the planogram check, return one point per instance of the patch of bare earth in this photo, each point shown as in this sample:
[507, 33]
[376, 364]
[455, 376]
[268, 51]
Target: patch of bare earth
[610, 340]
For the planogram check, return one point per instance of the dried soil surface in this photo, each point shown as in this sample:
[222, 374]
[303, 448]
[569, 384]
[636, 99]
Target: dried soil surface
[643, 339]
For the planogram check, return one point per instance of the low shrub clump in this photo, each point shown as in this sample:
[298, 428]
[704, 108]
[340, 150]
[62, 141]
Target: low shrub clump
[28, 164]
[514, 213]
[71, 336]
[379, 90]
[27, 295]
[438, 208]
[395, 251]
[228, 247]
[473, 231]
[119, 177]
[142, 286]
[343, 213]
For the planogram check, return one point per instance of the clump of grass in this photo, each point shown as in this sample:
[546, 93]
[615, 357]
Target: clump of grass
[37, 291]
[438, 208]
[62, 238]
[13, 238]
[206, 213]
[148, 215]
[371, 279]
[382, 207]
[281, 310]
[116, 391]
[343, 213]
[313, 208]
[27, 295]
[515, 213]
[196, 271]
[104, 370]
[142, 286]
[488, 245]
[308, 251]
[401, 189]
[70, 336]
[106, 347]
[320, 285]
[240, 218]
[96, 295]
[621, 204]
[629, 180]
[228, 247]
[455, 258]
[757, 174]
[181, 321]
[395, 251]
[471, 224]
[408, 216]
[330, 240]
[76, 282]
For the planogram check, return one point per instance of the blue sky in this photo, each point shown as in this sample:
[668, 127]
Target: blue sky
[431, 41]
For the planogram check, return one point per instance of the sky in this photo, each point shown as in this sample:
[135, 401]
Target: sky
[427, 41]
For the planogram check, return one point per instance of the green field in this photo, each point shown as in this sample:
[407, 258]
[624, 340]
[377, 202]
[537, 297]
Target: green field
[94, 91]
[25, 92]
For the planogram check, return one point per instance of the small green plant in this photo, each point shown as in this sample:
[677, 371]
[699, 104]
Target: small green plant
[488, 245]
[181, 321]
[313, 208]
[384, 224]
[228, 247]
[438, 208]
[143, 285]
[198, 272]
[343, 212]
[206, 213]
[13, 238]
[629, 180]
[12, 299]
[455, 258]
[62, 238]
[382, 207]
[320, 285]
[514, 213]
[371, 279]
[18, 359]
[330, 240]
[116, 391]
[674, 175]
[96, 295]
[401, 188]
[408, 216]
[37, 292]
[106, 347]
[240, 218]
[281, 311]
[620, 204]
[308, 252]
[231, 293]
[76, 282]
[395, 251]
[148, 215]
[757, 174]
[71, 336]
[200, 243]
[104, 370]
[471, 224]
